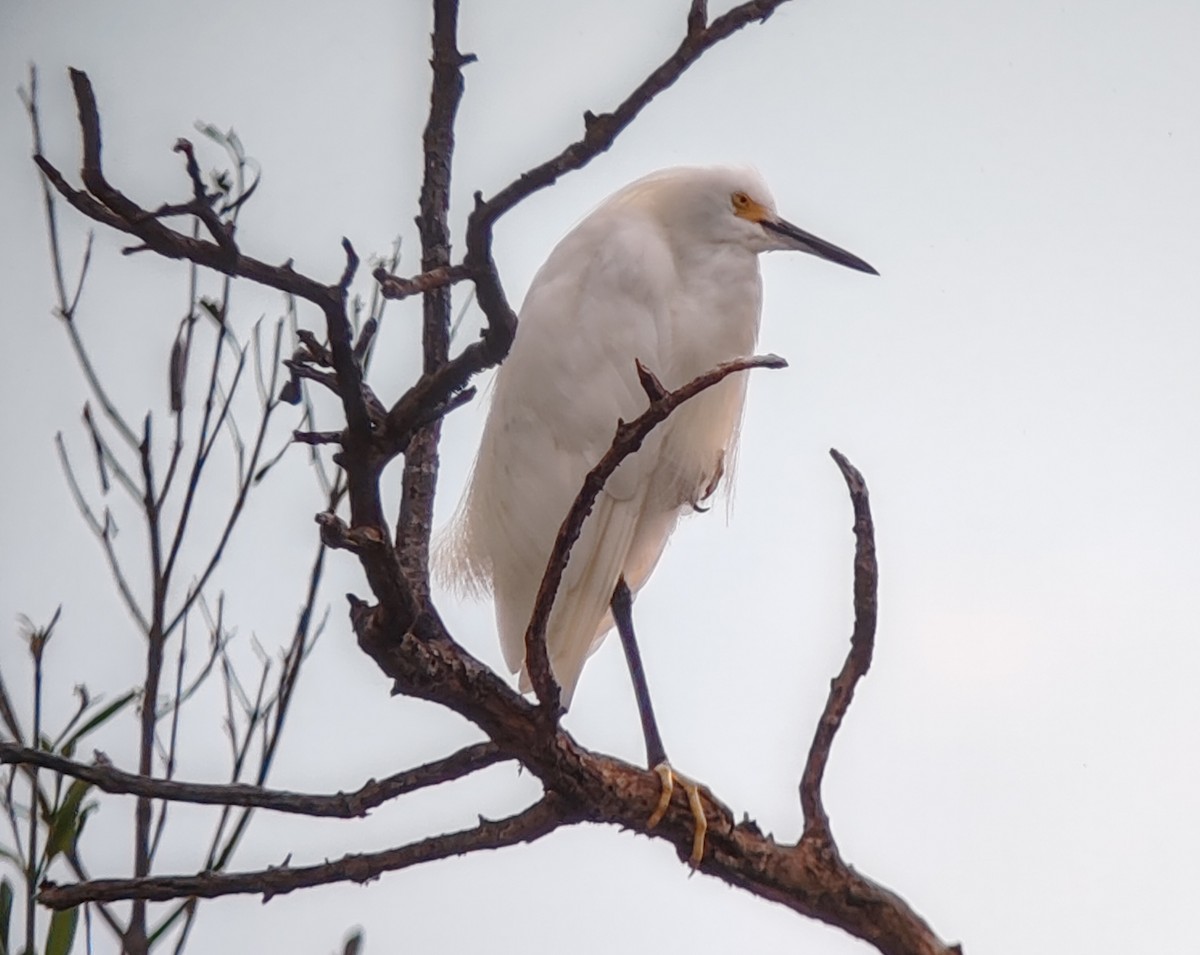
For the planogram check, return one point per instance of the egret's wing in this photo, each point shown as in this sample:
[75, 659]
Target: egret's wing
[598, 303]
[581, 609]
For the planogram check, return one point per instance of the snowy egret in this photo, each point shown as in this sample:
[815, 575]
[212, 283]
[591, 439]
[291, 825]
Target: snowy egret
[665, 271]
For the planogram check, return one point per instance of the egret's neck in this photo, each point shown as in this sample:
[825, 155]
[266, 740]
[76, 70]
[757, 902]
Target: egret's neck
[717, 316]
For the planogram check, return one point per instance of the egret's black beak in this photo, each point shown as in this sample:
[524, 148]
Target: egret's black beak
[803, 241]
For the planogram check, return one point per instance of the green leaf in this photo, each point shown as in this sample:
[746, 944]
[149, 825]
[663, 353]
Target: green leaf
[106, 714]
[64, 827]
[6, 904]
[62, 931]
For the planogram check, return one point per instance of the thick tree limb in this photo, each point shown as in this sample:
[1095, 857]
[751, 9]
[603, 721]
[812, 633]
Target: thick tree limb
[425, 662]
[339, 805]
[414, 524]
[809, 877]
[541, 818]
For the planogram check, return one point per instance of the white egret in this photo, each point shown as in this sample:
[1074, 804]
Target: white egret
[665, 271]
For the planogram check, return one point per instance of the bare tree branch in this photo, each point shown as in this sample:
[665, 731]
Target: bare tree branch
[104, 533]
[395, 287]
[403, 632]
[809, 877]
[108, 205]
[317, 438]
[67, 305]
[341, 805]
[858, 661]
[148, 718]
[414, 524]
[541, 818]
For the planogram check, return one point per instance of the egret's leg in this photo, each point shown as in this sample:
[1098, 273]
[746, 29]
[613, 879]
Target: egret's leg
[622, 608]
[656, 754]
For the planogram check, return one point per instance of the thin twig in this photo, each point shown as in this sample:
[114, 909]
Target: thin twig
[203, 445]
[71, 853]
[201, 205]
[303, 639]
[394, 287]
[106, 460]
[37, 646]
[104, 531]
[148, 719]
[67, 305]
[246, 482]
[105, 204]
[181, 354]
[317, 438]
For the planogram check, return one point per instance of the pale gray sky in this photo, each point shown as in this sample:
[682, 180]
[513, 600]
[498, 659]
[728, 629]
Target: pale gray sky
[1019, 387]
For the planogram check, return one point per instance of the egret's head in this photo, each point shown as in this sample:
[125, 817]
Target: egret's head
[730, 205]
[751, 204]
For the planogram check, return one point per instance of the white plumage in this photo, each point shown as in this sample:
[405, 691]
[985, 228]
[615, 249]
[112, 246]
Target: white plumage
[665, 271]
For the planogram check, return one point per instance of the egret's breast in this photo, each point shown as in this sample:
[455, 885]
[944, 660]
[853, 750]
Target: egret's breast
[715, 319]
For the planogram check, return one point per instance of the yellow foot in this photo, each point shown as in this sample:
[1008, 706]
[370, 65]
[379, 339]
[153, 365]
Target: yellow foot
[669, 778]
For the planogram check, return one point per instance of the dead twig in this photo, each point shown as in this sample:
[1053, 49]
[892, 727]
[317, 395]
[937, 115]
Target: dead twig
[395, 287]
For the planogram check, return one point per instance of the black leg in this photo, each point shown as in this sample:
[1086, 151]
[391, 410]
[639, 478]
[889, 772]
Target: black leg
[622, 608]
[656, 755]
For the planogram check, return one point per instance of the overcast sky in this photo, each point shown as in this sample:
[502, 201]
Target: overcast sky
[1019, 387]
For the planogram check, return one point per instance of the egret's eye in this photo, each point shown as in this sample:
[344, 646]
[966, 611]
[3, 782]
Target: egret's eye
[741, 202]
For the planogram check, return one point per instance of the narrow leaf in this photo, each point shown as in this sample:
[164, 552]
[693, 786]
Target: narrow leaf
[62, 931]
[6, 904]
[64, 828]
